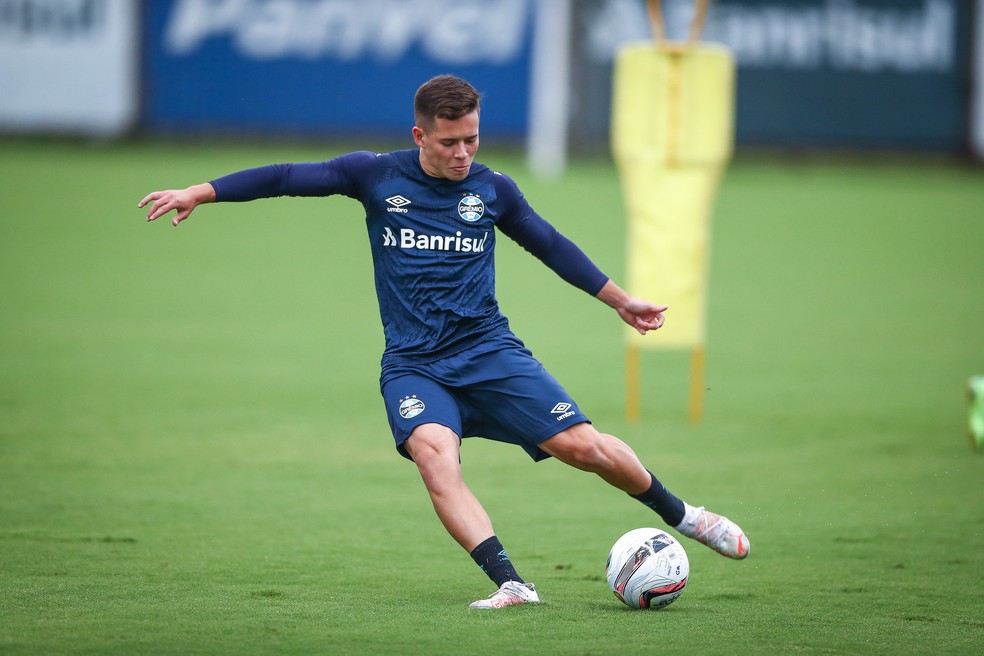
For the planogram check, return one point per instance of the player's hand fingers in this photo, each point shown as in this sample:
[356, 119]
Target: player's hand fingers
[162, 202]
[179, 217]
[154, 195]
[158, 209]
[154, 199]
[650, 320]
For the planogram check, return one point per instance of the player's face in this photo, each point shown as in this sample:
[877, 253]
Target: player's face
[447, 148]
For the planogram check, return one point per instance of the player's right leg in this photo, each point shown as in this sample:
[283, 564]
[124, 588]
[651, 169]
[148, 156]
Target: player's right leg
[426, 421]
[435, 450]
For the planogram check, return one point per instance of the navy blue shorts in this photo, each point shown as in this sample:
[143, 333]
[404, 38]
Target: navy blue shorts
[496, 390]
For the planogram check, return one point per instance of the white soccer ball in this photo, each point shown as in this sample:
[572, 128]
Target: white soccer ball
[647, 568]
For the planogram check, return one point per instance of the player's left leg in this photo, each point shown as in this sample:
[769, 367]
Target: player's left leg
[583, 447]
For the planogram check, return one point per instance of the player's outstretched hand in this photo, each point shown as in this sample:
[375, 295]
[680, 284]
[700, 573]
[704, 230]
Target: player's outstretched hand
[642, 315]
[183, 201]
[638, 313]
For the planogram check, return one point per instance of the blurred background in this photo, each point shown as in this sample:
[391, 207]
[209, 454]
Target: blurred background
[189, 419]
[841, 75]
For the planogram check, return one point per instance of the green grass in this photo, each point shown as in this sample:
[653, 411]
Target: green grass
[194, 457]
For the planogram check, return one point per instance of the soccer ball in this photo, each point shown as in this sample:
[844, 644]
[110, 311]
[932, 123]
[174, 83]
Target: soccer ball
[647, 568]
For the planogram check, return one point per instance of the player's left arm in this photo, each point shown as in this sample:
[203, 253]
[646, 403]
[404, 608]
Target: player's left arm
[519, 222]
[531, 231]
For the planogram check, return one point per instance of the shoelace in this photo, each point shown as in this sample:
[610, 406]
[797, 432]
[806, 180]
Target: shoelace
[703, 527]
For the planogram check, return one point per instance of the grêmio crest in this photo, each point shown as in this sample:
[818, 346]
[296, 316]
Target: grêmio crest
[471, 208]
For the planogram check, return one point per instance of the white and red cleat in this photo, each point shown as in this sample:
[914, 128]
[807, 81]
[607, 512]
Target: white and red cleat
[716, 531]
[510, 594]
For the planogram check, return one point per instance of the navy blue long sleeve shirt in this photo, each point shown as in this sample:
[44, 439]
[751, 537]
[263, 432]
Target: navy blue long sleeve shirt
[432, 241]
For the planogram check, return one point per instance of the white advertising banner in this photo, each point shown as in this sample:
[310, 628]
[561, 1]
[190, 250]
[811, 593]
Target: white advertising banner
[68, 66]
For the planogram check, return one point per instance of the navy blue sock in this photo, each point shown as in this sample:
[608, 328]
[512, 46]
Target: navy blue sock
[665, 504]
[492, 558]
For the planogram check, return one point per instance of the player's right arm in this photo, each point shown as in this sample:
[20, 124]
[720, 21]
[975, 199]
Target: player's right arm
[342, 175]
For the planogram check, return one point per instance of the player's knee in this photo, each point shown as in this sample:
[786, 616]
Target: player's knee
[590, 457]
[430, 442]
[583, 451]
[592, 451]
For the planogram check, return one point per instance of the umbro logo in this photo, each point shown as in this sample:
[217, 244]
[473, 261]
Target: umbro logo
[563, 411]
[397, 202]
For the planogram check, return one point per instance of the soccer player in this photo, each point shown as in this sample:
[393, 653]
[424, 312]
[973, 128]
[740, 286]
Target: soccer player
[451, 367]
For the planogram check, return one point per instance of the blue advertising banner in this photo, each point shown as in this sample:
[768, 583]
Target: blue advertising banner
[831, 73]
[331, 67]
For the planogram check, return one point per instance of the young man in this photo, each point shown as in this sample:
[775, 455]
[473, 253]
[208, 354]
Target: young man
[451, 367]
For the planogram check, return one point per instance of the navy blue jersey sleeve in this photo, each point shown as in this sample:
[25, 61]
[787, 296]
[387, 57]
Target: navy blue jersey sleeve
[523, 225]
[342, 175]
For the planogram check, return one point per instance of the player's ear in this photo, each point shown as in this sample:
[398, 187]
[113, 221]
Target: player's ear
[418, 135]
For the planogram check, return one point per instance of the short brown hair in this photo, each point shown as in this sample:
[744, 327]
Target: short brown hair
[445, 96]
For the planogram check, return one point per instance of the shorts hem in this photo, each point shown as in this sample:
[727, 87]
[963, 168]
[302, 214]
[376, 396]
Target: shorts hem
[539, 454]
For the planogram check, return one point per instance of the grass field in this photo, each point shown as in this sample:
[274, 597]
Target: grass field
[194, 457]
